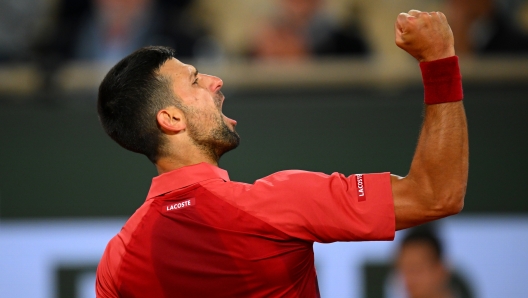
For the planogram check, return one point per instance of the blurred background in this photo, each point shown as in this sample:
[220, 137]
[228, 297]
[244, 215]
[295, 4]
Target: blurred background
[314, 84]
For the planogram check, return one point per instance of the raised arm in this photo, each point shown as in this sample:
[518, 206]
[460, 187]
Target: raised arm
[436, 183]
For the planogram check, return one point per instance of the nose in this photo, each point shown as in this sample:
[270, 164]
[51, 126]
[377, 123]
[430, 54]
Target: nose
[214, 83]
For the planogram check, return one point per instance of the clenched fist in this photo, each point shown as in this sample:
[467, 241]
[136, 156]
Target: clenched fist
[425, 35]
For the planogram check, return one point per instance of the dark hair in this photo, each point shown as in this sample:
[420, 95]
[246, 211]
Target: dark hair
[129, 98]
[424, 235]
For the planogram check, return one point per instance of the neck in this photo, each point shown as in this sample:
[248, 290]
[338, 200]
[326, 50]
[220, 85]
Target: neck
[182, 153]
[167, 164]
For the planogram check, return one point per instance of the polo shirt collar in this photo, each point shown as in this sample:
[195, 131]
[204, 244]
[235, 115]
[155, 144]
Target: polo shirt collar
[183, 177]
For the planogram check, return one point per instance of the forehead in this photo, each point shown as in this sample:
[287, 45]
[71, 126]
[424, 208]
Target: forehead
[176, 69]
[417, 252]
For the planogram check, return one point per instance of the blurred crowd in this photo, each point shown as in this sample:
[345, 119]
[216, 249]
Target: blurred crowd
[52, 32]
[423, 270]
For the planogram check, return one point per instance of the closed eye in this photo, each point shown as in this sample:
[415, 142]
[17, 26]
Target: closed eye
[193, 75]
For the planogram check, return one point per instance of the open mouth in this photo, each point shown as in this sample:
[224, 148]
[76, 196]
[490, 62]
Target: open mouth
[220, 100]
[230, 121]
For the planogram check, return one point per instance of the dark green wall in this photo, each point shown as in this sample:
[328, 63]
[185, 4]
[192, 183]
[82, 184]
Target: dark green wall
[55, 160]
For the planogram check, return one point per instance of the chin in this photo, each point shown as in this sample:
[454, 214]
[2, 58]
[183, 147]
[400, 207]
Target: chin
[228, 146]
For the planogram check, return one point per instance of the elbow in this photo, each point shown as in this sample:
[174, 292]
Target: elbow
[451, 203]
[455, 206]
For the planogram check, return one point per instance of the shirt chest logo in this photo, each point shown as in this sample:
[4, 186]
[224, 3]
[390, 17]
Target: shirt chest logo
[180, 205]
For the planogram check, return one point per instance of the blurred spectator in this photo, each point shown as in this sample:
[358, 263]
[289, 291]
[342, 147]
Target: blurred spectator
[20, 23]
[485, 27]
[421, 265]
[301, 30]
[107, 30]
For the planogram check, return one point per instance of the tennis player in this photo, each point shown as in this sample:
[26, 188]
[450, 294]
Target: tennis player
[199, 234]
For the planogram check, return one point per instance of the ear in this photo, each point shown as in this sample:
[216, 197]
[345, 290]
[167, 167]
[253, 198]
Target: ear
[171, 120]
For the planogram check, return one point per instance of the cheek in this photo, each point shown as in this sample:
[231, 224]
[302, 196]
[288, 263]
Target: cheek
[204, 120]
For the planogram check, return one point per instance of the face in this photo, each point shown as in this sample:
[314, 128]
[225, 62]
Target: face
[209, 129]
[423, 274]
[301, 10]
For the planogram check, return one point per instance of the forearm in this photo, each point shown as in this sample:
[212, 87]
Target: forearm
[440, 163]
[436, 183]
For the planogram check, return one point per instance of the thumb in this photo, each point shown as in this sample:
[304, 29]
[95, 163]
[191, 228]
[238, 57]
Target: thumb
[399, 26]
[398, 30]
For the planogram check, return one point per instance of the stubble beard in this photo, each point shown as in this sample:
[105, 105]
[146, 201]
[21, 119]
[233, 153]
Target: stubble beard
[214, 142]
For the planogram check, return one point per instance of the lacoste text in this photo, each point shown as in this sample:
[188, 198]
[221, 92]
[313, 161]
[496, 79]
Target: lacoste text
[360, 188]
[180, 205]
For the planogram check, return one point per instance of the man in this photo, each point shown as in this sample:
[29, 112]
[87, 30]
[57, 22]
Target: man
[484, 27]
[422, 267]
[201, 235]
[300, 29]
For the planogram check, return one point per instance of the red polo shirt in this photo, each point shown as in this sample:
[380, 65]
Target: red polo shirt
[199, 234]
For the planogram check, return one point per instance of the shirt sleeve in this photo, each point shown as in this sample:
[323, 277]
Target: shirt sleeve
[324, 208]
